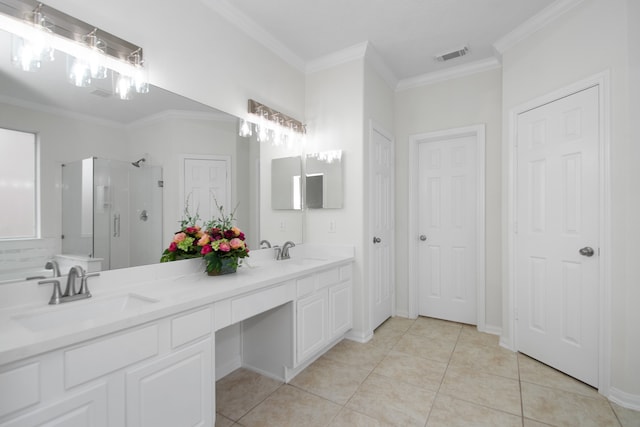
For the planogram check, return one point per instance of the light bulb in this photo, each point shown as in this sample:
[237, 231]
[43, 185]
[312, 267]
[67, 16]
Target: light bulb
[124, 88]
[78, 72]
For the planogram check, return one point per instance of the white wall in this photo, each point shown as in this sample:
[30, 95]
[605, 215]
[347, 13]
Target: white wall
[591, 39]
[334, 121]
[193, 51]
[466, 101]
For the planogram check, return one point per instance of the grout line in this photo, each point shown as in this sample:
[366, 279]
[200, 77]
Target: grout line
[520, 388]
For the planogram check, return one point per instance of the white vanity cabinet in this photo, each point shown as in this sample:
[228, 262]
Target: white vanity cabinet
[323, 310]
[157, 374]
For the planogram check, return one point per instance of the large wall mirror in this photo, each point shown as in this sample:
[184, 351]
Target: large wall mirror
[78, 125]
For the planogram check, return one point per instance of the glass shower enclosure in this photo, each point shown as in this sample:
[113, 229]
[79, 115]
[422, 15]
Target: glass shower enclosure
[112, 210]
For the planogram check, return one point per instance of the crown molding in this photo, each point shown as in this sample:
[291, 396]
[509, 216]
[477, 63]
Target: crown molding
[34, 106]
[183, 115]
[255, 31]
[375, 60]
[449, 73]
[533, 24]
[348, 54]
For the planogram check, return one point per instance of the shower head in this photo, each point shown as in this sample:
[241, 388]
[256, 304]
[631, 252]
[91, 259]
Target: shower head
[137, 163]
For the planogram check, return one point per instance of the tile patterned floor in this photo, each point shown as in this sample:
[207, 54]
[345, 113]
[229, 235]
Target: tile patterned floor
[423, 372]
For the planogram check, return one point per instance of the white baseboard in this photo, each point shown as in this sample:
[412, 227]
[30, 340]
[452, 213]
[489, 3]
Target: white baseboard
[624, 399]
[359, 336]
[226, 368]
[491, 329]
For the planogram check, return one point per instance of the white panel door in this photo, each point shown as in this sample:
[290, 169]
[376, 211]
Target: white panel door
[205, 182]
[447, 210]
[557, 216]
[381, 218]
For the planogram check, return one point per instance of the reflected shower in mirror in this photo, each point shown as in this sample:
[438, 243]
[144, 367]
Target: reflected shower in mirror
[323, 180]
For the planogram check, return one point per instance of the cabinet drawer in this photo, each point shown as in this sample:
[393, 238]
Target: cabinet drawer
[106, 355]
[328, 278]
[190, 327]
[19, 388]
[305, 286]
[245, 307]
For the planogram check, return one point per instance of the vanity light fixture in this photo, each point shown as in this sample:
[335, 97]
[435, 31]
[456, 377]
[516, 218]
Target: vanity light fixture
[38, 30]
[274, 126]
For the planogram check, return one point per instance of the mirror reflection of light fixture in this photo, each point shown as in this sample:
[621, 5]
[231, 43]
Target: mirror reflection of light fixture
[92, 51]
[32, 48]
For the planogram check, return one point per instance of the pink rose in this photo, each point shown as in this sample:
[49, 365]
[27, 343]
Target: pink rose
[224, 247]
[173, 247]
[191, 230]
[204, 240]
[179, 237]
[236, 243]
[206, 249]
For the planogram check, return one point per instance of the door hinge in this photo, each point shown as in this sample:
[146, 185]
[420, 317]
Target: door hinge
[515, 314]
[161, 184]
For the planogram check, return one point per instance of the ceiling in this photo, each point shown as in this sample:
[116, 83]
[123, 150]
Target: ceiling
[406, 34]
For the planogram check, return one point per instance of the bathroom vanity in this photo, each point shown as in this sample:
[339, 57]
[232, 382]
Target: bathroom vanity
[141, 351]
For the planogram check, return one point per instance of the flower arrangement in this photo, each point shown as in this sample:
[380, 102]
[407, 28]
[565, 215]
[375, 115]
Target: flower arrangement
[184, 243]
[223, 244]
[219, 242]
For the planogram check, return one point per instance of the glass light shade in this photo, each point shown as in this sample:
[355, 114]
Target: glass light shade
[96, 65]
[28, 54]
[244, 128]
[140, 80]
[78, 71]
[124, 87]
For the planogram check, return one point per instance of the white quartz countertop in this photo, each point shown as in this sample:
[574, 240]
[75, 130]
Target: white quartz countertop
[167, 289]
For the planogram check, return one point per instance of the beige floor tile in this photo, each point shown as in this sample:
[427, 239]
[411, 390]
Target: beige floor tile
[424, 373]
[439, 349]
[222, 421]
[392, 402]
[559, 408]
[349, 418]
[450, 412]
[492, 360]
[435, 328]
[627, 417]
[332, 380]
[399, 323]
[240, 391]
[386, 336]
[484, 389]
[470, 335]
[532, 423]
[532, 371]
[364, 356]
[290, 406]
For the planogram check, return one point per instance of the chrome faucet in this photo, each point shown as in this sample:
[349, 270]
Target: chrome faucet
[52, 264]
[70, 293]
[284, 252]
[266, 243]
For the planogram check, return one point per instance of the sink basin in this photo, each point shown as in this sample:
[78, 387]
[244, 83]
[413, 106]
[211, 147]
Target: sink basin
[78, 311]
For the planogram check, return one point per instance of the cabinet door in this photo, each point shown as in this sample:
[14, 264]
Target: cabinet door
[312, 324]
[175, 390]
[340, 308]
[86, 408]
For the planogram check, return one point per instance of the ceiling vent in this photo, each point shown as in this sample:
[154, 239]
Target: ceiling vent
[102, 93]
[453, 54]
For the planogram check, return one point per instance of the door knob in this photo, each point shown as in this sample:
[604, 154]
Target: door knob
[423, 237]
[377, 240]
[587, 251]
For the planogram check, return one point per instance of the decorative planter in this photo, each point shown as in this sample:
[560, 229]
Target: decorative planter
[227, 266]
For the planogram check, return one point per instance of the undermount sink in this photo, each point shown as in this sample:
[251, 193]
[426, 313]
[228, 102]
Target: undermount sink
[78, 311]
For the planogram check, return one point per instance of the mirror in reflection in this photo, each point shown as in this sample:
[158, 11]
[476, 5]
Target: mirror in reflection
[286, 180]
[323, 180]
